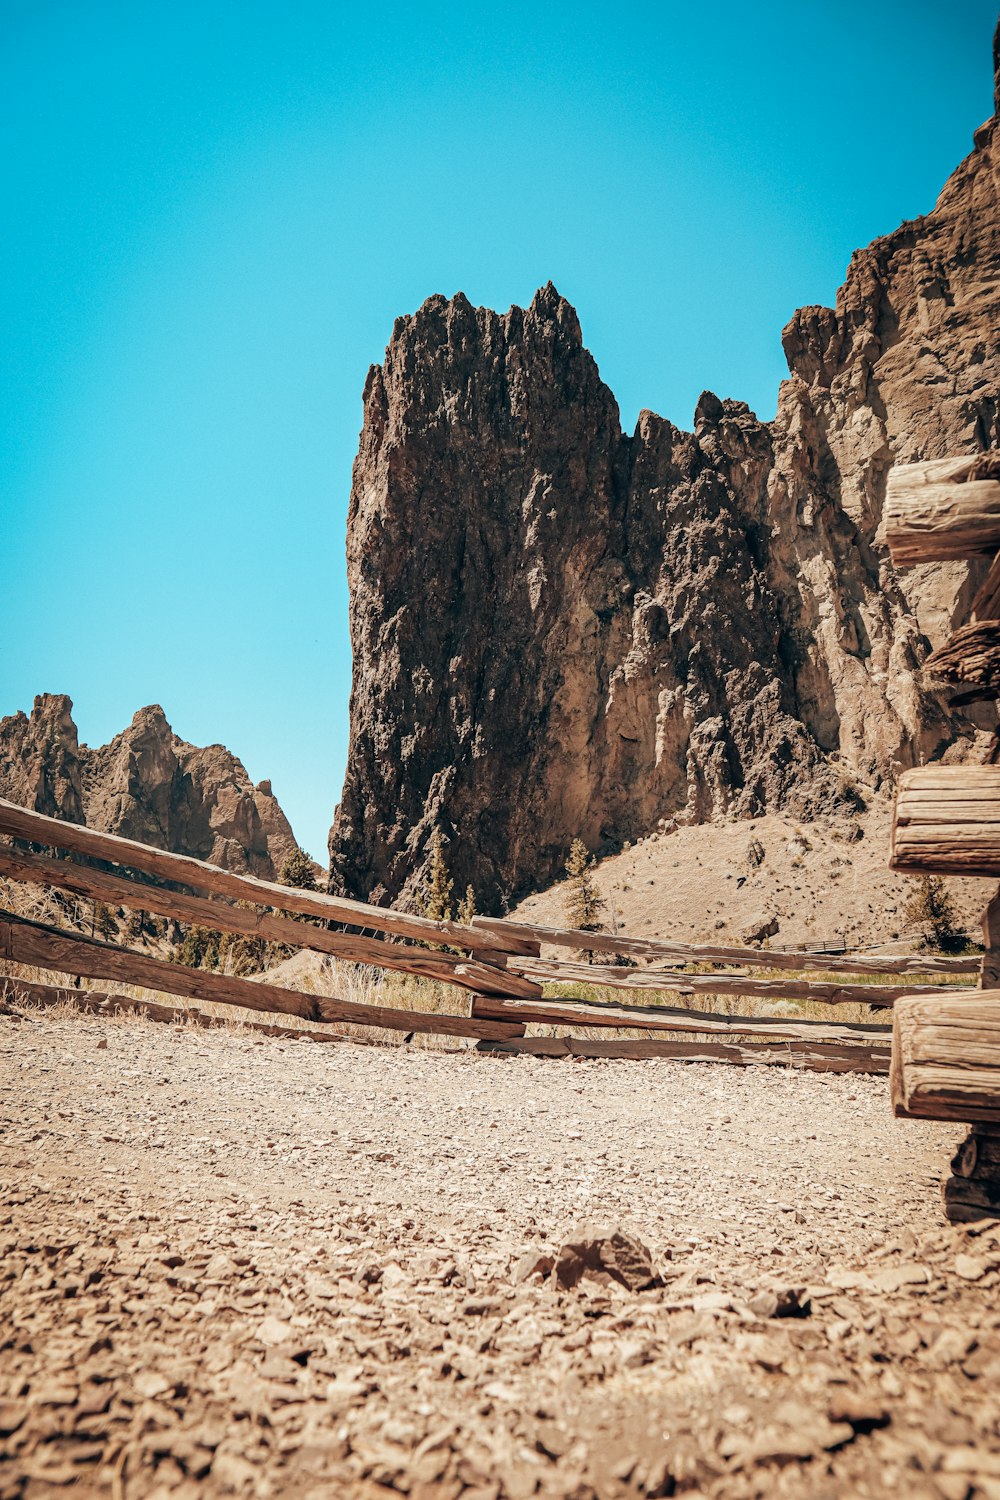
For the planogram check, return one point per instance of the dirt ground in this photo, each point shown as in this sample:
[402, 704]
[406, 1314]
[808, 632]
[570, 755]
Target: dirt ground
[241, 1266]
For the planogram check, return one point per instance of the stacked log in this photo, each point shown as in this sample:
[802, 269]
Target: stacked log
[971, 659]
[946, 1058]
[946, 1053]
[973, 1190]
[947, 821]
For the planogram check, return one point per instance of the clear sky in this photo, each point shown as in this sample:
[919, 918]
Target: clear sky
[215, 211]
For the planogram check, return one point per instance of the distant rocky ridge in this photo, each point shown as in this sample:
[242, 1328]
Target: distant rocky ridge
[559, 629]
[147, 784]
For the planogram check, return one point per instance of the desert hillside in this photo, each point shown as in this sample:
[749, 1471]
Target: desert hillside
[826, 881]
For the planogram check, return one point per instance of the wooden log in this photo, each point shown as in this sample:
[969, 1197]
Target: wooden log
[947, 821]
[971, 655]
[764, 958]
[963, 1163]
[85, 880]
[551, 1012]
[44, 947]
[724, 984]
[966, 1200]
[978, 1156]
[813, 1057]
[946, 1058]
[103, 1003]
[938, 511]
[19, 822]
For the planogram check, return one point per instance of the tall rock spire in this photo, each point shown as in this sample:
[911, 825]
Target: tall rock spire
[559, 630]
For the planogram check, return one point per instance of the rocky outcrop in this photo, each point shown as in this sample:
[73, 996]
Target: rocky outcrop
[561, 630]
[146, 784]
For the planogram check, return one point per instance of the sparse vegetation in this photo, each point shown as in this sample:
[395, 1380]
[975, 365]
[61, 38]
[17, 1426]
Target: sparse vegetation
[932, 910]
[582, 900]
[467, 906]
[434, 898]
[297, 870]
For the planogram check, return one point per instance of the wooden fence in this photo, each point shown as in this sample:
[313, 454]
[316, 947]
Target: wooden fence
[498, 963]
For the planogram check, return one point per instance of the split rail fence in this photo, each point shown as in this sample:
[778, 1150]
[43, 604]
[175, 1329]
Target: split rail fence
[498, 964]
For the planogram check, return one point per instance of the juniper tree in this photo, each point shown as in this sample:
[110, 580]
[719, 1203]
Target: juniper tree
[104, 924]
[298, 873]
[434, 898]
[931, 908]
[297, 870]
[467, 907]
[135, 926]
[200, 948]
[583, 901]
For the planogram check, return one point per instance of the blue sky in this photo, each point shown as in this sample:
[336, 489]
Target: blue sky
[215, 211]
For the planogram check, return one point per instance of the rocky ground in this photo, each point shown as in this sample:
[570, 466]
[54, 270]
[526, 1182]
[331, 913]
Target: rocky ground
[239, 1266]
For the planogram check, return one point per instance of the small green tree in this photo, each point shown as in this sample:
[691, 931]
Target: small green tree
[200, 948]
[583, 901]
[467, 907]
[105, 925]
[434, 897]
[241, 954]
[297, 870]
[931, 908]
[136, 925]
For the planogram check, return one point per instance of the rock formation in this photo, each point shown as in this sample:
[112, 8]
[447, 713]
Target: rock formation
[559, 629]
[147, 784]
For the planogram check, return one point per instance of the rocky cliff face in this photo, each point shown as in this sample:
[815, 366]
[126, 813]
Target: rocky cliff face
[147, 784]
[559, 629]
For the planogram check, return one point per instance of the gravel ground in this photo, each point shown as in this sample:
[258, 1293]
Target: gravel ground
[240, 1266]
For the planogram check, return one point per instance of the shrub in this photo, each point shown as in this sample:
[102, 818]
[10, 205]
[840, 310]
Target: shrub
[434, 897]
[583, 901]
[467, 907]
[297, 870]
[930, 907]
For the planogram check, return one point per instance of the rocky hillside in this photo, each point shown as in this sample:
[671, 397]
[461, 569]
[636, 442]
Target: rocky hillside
[147, 784]
[561, 629]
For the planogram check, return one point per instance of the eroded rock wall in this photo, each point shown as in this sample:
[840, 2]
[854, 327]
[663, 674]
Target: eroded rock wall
[562, 630]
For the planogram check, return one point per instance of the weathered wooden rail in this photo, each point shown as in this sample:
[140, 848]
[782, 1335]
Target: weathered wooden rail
[660, 950]
[498, 963]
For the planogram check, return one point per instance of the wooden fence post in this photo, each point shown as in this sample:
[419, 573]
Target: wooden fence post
[948, 1060]
[973, 1189]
